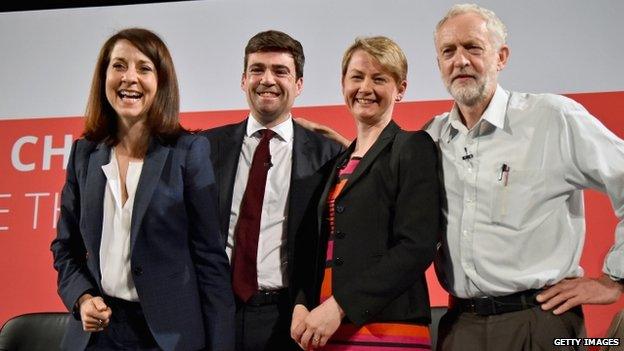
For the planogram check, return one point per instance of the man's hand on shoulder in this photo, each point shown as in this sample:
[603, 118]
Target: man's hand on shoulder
[569, 293]
[324, 130]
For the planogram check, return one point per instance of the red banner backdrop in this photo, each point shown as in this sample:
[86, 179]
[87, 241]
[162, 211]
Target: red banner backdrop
[33, 153]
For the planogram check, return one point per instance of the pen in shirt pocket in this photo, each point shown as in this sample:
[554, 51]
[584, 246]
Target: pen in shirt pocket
[503, 175]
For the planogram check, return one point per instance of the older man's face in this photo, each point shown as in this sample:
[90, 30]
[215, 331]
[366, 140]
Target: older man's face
[468, 58]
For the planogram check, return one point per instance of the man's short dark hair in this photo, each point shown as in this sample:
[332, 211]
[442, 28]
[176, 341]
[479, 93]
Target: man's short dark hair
[273, 40]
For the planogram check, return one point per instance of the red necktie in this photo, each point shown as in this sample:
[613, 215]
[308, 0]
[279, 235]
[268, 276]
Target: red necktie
[244, 263]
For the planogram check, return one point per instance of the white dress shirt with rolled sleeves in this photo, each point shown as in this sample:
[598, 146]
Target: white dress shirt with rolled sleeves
[514, 196]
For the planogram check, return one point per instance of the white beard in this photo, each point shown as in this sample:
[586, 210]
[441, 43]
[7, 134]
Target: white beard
[468, 95]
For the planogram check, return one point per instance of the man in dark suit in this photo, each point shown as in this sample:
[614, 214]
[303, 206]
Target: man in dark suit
[266, 182]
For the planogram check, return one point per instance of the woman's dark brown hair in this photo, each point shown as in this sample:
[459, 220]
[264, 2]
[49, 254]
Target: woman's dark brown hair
[162, 119]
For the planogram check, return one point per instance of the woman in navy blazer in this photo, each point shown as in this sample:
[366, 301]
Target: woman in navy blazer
[139, 257]
[378, 219]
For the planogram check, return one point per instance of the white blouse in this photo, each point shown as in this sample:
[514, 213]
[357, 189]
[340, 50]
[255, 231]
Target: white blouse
[115, 244]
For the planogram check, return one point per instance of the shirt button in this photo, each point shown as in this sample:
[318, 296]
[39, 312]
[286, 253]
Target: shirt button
[465, 233]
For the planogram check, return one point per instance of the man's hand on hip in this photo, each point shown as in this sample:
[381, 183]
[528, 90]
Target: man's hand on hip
[570, 293]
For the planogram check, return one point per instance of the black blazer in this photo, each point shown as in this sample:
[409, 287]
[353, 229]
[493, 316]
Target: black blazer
[311, 155]
[387, 220]
[179, 266]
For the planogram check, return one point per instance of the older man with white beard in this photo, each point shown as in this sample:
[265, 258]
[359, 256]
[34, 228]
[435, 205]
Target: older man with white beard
[514, 167]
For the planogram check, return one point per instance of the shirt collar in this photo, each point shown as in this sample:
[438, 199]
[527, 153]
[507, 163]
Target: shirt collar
[495, 114]
[283, 130]
[496, 111]
[111, 169]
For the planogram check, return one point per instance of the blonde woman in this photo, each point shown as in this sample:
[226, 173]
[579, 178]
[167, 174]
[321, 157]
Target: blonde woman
[379, 220]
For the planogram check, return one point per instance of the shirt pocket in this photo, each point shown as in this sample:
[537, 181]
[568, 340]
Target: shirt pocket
[515, 195]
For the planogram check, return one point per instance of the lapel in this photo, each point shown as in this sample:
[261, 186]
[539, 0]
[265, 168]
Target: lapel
[339, 163]
[228, 153]
[386, 136]
[302, 167]
[93, 205]
[153, 164]
[302, 153]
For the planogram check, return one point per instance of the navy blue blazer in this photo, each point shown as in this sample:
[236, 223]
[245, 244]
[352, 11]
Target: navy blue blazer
[178, 262]
[311, 156]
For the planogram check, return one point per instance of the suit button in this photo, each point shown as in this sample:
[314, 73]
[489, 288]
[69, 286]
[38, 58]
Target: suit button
[137, 271]
[366, 313]
[340, 209]
[338, 261]
[340, 235]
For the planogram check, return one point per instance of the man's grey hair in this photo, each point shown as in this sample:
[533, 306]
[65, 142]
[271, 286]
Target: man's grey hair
[493, 23]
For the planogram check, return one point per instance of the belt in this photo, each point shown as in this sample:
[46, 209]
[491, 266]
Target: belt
[121, 303]
[267, 297]
[487, 306]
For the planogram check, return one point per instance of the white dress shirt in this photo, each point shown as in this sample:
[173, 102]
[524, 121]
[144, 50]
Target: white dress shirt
[115, 244]
[273, 222]
[513, 186]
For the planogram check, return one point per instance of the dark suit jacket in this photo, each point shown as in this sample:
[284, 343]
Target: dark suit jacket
[179, 267]
[387, 225]
[311, 153]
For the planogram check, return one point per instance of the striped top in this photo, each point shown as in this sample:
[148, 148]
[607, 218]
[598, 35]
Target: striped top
[372, 336]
